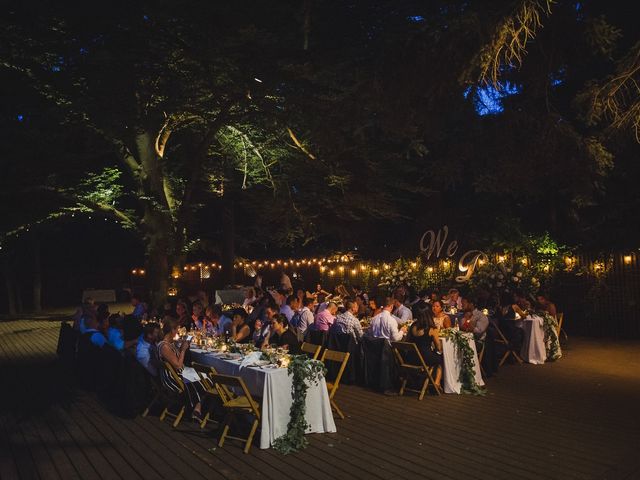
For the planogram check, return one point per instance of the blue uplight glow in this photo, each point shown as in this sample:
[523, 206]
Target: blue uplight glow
[487, 99]
[415, 18]
[20, 117]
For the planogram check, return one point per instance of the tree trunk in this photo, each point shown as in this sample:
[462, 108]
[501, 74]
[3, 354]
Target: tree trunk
[9, 284]
[37, 274]
[160, 252]
[228, 240]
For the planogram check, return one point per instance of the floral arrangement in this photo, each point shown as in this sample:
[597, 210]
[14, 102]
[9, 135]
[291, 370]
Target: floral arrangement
[467, 372]
[502, 277]
[402, 272]
[304, 371]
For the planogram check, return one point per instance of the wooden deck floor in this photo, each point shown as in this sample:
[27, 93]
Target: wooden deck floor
[577, 418]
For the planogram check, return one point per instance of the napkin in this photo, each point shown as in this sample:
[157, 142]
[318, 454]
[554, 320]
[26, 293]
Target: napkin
[190, 375]
[250, 359]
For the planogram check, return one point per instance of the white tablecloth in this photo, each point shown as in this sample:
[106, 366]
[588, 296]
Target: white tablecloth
[533, 348]
[274, 386]
[452, 361]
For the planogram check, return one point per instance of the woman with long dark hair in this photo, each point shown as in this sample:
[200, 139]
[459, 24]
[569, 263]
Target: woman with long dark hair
[427, 339]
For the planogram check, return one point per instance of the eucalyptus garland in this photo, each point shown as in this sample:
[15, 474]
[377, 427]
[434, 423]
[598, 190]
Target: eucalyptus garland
[551, 339]
[303, 371]
[467, 372]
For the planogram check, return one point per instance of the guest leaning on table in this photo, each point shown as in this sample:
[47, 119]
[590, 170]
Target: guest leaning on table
[168, 351]
[240, 331]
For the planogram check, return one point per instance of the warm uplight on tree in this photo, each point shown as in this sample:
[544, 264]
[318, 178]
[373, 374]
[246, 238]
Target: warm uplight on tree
[627, 259]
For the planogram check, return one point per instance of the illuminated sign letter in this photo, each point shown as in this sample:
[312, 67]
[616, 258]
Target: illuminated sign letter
[467, 264]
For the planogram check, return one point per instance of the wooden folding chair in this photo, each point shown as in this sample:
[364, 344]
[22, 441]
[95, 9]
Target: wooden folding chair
[560, 329]
[157, 394]
[181, 395]
[342, 358]
[500, 338]
[403, 352]
[481, 356]
[311, 349]
[210, 391]
[235, 403]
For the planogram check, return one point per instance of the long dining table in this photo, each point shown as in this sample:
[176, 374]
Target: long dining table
[272, 387]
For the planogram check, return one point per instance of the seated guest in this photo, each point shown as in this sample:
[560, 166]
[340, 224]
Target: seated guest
[197, 316]
[285, 283]
[131, 327]
[434, 296]
[547, 305]
[455, 300]
[362, 305]
[89, 353]
[474, 321]
[115, 335]
[440, 319]
[427, 339]
[168, 351]
[102, 315]
[208, 324]
[184, 319]
[281, 335]
[239, 329]
[510, 315]
[145, 350]
[347, 322]
[402, 313]
[305, 319]
[300, 294]
[290, 307]
[325, 318]
[385, 325]
[139, 308]
[421, 302]
[92, 334]
[321, 303]
[320, 291]
[262, 326]
[221, 323]
[88, 307]
[250, 298]
[374, 307]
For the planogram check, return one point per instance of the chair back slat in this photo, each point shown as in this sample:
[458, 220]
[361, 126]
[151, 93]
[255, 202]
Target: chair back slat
[311, 349]
[224, 384]
[404, 351]
[340, 357]
[203, 372]
[174, 375]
